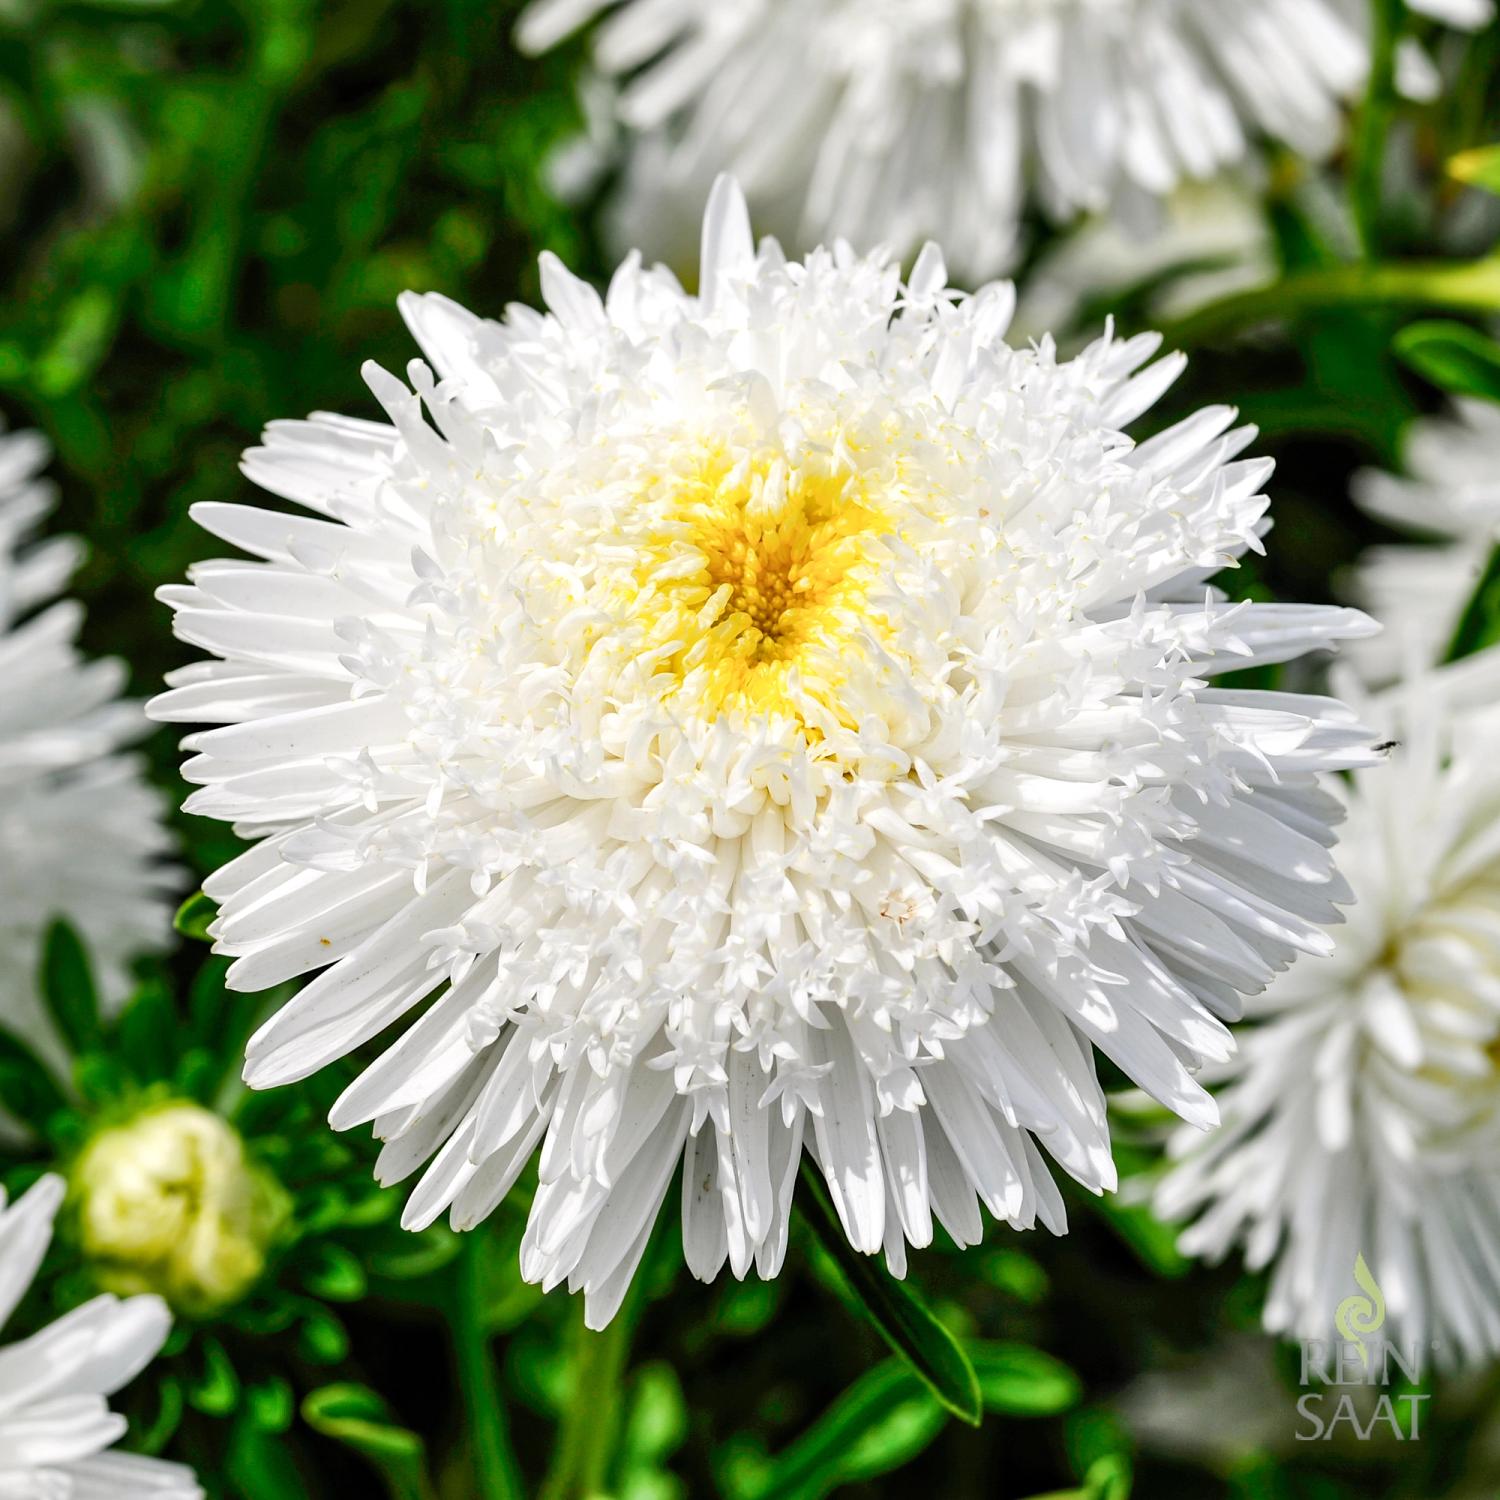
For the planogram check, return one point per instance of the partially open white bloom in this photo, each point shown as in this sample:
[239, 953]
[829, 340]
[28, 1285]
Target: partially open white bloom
[1451, 495]
[82, 834]
[769, 720]
[890, 120]
[1362, 1115]
[55, 1421]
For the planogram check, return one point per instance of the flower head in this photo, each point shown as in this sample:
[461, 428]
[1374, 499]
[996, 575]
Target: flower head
[55, 1421]
[765, 721]
[1451, 495]
[169, 1202]
[81, 832]
[889, 120]
[1362, 1113]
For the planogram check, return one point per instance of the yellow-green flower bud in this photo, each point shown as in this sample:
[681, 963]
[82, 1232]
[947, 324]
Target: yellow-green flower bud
[168, 1202]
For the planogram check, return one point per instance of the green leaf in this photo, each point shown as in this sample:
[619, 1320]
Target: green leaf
[355, 1416]
[1023, 1382]
[144, 1033]
[1479, 625]
[27, 1088]
[68, 989]
[216, 1392]
[900, 1317]
[193, 917]
[1107, 1479]
[269, 1405]
[657, 1423]
[321, 1338]
[1479, 167]
[260, 1466]
[881, 1422]
[335, 1275]
[1453, 356]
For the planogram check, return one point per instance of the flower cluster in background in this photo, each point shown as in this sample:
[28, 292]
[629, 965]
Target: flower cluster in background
[760, 765]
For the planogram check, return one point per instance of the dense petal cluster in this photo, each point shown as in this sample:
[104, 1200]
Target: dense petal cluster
[1362, 1115]
[887, 120]
[55, 1423]
[769, 721]
[1450, 495]
[82, 834]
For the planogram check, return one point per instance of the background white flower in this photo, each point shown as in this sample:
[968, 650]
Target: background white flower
[1362, 1114]
[886, 121]
[82, 834]
[766, 721]
[55, 1421]
[1450, 494]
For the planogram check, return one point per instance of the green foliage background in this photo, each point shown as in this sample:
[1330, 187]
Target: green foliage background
[207, 210]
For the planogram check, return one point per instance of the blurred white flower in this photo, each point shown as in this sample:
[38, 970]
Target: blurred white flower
[1362, 1115]
[884, 121]
[1211, 239]
[55, 1421]
[768, 720]
[82, 834]
[1450, 493]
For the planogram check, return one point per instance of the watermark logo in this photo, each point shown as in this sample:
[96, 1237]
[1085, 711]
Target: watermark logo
[1361, 1384]
[1362, 1313]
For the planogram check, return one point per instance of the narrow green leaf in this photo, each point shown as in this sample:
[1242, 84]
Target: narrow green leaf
[1479, 167]
[1453, 356]
[321, 1337]
[27, 1088]
[68, 988]
[884, 1420]
[357, 1417]
[335, 1275]
[897, 1313]
[1479, 625]
[216, 1391]
[194, 915]
[270, 1405]
[144, 1032]
[1107, 1479]
[1023, 1382]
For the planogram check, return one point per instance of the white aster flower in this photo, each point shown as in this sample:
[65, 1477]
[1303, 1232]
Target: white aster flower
[890, 120]
[1362, 1115]
[81, 832]
[762, 721]
[55, 1423]
[1450, 493]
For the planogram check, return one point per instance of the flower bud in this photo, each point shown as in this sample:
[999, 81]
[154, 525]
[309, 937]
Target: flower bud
[168, 1202]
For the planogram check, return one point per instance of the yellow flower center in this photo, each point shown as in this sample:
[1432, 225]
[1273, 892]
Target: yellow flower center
[755, 583]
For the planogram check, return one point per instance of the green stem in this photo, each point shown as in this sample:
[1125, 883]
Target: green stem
[1367, 168]
[496, 1474]
[586, 1438]
[1452, 286]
